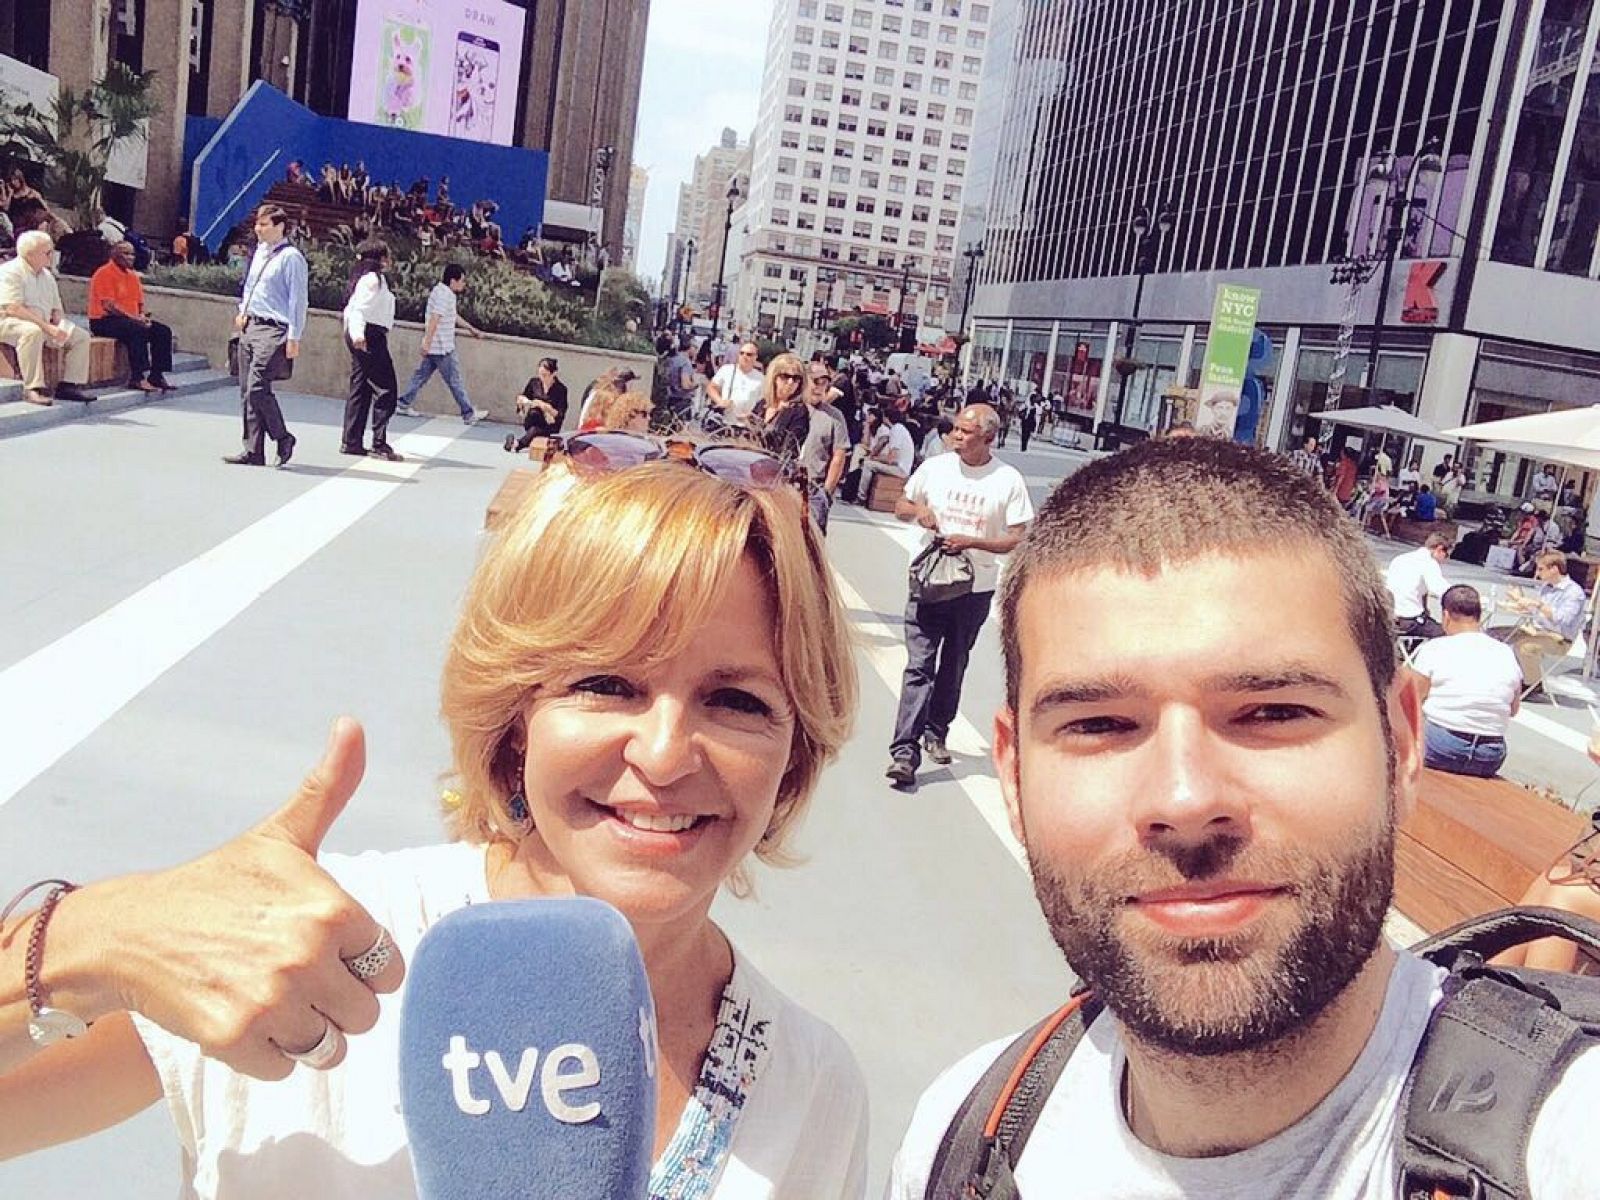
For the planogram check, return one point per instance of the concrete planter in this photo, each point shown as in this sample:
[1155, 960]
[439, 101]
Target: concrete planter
[495, 366]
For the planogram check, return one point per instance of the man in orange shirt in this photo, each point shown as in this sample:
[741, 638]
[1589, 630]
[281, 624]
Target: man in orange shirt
[116, 310]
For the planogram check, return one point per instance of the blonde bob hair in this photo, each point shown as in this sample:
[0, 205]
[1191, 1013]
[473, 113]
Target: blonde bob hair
[627, 568]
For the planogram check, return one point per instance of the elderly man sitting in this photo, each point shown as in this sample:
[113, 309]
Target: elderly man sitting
[1472, 687]
[31, 318]
[1552, 616]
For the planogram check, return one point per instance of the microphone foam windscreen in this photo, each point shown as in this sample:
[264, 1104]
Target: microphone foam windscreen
[528, 1055]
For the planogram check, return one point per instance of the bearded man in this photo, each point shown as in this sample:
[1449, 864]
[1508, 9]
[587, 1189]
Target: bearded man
[1205, 749]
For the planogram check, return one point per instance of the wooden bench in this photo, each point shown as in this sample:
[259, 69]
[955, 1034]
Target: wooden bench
[508, 498]
[108, 362]
[1474, 845]
[885, 490]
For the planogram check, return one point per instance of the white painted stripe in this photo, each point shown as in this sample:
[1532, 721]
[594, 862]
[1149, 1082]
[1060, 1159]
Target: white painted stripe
[1553, 730]
[59, 695]
[888, 659]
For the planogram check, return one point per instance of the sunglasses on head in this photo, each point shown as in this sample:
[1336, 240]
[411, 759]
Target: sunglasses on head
[615, 450]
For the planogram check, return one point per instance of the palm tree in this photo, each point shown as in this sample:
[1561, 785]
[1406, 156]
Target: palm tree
[75, 139]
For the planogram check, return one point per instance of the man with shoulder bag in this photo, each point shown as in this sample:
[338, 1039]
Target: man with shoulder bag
[975, 509]
[270, 323]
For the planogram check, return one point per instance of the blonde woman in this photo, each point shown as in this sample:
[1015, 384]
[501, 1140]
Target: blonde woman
[614, 407]
[782, 417]
[638, 643]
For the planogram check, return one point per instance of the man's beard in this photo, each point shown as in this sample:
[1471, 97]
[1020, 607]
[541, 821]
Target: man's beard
[1234, 993]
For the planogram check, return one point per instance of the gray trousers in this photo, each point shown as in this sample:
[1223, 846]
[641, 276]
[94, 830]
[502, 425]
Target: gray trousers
[261, 350]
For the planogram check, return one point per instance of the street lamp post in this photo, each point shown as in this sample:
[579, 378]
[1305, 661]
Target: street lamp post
[972, 254]
[1352, 273]
[905, 286]
[1403, 203]
[722, 263]
[688, 266]
[1149, 227]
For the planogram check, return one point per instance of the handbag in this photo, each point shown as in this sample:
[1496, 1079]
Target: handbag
[937, 576]
[282, 366]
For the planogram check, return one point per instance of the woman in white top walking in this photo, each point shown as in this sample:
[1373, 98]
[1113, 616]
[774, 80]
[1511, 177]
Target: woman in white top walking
[368, 317]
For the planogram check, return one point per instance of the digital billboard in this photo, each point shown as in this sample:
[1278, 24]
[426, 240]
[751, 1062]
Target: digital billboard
[450, 67]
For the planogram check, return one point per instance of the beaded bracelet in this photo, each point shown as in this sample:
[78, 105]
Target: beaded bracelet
[47, 1025]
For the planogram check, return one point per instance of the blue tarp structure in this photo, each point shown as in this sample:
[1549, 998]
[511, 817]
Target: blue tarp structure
[253, 146]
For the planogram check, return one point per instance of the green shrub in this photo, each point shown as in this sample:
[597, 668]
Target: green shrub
[499, 298]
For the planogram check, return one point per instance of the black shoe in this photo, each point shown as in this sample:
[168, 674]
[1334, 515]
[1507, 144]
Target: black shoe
[901, 772]
[511, 442]
[68, 391]
[384, 451]
[354, 451]
[161, 382]
[934, 748]
[286, 449]
[245, 460]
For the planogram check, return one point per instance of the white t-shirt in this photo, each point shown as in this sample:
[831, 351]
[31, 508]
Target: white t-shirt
[1476, 680]
[1413, 577]
[1344, 1149]
[442, 304]
[980, 502]
[799, 1128]
[898, 439]
[740, 389]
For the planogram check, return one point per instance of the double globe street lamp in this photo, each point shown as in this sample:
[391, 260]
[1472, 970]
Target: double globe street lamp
[1150, 224]
[722, 263]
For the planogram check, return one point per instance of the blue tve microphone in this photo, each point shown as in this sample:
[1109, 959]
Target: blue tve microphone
[528, 1055]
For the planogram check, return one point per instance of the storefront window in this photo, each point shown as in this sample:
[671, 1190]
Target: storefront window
[1399, 378]
[1079, 358]
[988, 344]
[1025, 369]
[1157, 357]
[1539, 125]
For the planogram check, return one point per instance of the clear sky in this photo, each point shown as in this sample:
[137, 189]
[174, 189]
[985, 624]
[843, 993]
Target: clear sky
[702, 73]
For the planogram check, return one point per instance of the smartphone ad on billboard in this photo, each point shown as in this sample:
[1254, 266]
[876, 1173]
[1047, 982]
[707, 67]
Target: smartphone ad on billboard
[450, 67]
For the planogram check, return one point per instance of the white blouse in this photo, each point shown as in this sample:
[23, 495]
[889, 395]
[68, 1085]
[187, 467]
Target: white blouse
[372, 303]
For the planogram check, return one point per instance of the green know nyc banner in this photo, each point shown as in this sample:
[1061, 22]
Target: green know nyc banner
[1233, 323]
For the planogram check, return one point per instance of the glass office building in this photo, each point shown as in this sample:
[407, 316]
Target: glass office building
[1259, 126]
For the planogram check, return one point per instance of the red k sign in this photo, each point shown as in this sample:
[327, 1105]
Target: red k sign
[1421, 305]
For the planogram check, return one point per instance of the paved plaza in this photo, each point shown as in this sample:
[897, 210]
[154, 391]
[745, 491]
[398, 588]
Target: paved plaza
[179, 634]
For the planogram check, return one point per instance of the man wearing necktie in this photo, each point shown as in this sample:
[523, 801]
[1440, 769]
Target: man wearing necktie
[271, 320]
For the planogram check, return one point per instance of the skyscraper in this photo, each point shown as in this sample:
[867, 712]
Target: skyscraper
[1130, 166]
[859, 158]
[702, 209]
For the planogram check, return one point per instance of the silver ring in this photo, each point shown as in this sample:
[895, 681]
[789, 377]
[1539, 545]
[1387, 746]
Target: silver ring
[320, 1056]
[369, 964]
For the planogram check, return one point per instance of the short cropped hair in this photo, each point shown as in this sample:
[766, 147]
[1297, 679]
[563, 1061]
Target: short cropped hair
[1462, 600]
[273, 213]
[1438, 541]
[627, 568]
[30, 241]
[1552, 558]
[453, 272]
[1170, 501]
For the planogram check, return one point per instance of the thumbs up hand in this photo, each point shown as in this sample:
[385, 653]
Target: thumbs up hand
[245, 951]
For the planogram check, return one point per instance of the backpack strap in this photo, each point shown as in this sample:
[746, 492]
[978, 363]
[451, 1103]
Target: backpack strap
[1494, 1048]
[984, 1140]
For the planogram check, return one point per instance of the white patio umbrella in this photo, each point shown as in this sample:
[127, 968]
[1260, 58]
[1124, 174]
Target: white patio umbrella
[1385, 418]
[1563, 429]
